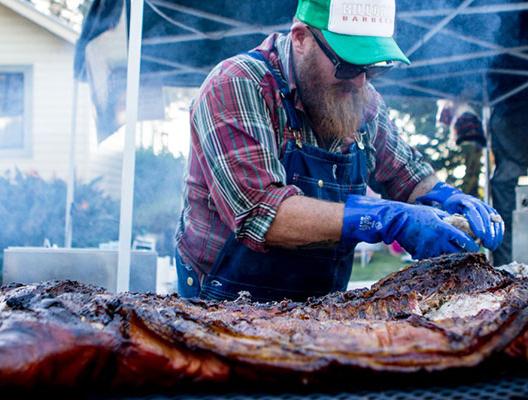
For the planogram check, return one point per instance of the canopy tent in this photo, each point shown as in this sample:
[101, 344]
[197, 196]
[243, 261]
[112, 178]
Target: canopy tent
[468, 50]
[446, 41]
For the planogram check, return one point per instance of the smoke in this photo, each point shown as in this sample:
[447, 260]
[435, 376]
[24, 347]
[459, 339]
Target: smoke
[195, 36]
[454, 49]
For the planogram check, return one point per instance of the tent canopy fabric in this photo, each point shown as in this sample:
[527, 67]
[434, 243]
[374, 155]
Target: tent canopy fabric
[472, 50]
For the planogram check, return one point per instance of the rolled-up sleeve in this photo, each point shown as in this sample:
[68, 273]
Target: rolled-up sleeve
[237, 148]
[399, 167]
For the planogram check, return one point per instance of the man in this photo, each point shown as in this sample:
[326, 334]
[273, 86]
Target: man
[285, 140]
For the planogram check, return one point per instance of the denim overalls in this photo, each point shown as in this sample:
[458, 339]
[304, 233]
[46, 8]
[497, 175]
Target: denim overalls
[283, 273]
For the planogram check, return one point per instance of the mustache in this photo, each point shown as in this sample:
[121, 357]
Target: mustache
[336, 109]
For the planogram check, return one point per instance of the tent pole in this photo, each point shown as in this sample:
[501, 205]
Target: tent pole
[70, 189]
[485, 9]
[486, 115]
[438, 27]
[129, 151]
[511, 93]
[486, 112]
[465, 57]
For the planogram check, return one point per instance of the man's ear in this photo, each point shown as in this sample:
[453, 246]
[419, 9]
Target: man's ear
[300, 37]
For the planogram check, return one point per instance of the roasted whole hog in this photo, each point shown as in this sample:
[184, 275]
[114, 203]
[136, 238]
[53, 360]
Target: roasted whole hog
[439, 314]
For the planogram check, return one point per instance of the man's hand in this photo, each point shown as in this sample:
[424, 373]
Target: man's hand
[419, 229]
[485, 221]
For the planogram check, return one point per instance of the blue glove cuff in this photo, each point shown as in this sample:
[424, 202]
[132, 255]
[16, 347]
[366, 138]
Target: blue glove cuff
[438, 195]
[371, 220]
[358, 224]
[349, 226]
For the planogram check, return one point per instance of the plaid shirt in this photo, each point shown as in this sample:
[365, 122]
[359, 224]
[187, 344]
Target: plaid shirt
[235, 181]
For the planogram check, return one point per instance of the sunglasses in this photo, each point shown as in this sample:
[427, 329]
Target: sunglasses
[345, 70]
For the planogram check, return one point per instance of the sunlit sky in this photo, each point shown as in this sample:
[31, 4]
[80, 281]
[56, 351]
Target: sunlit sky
[174, 134]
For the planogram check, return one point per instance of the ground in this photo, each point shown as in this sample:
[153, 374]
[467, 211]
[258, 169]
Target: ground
[381, 264]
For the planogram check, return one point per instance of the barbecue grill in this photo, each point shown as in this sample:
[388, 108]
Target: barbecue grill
[504, 385]
[503, 388]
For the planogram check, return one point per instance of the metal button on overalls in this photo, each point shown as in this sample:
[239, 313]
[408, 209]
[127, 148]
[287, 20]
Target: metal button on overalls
[188, 283]
[320, 183]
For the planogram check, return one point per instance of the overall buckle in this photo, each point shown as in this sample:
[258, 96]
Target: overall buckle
[298, 138]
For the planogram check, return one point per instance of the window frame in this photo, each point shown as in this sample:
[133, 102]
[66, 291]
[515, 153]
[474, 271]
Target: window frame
[26, 150]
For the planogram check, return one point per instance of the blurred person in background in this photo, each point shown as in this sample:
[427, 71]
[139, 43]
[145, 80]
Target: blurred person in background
[285, 139]
[466, 131]
[510, 148]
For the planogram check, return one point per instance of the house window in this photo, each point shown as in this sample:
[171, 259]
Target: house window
[14, 110]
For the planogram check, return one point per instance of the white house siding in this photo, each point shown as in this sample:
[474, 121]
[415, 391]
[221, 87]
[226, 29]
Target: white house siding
[23, 43]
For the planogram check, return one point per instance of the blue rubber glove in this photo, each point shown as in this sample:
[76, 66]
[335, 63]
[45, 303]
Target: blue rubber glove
[486, 223]
[419, 229]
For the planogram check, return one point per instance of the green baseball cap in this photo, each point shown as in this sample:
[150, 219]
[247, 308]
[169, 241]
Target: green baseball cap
[359, 31]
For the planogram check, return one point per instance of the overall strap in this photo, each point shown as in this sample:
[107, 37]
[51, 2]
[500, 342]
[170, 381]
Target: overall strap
[293, 120]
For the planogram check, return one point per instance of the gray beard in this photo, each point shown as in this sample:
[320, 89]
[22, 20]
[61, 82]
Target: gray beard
[335, 111]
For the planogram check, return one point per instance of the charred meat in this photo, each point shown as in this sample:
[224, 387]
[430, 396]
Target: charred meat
[448, 312]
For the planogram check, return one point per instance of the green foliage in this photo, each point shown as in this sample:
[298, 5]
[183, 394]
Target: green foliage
[32, 211]
[418, 117]
[66, 10]
[381, 264]
[95, 216]
[157, 196]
